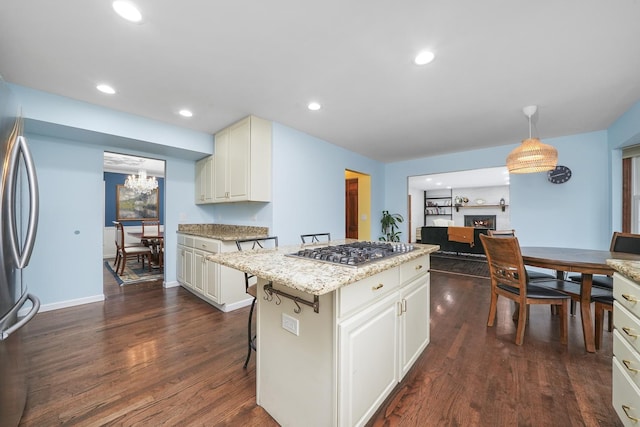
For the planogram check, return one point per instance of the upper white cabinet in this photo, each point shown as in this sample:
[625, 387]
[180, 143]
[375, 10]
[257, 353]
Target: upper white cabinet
[204, 180]
[242, 162]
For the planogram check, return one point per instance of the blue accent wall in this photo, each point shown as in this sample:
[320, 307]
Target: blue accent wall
[111, 181]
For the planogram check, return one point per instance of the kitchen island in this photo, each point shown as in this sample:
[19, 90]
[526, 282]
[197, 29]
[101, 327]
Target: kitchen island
[333, 341]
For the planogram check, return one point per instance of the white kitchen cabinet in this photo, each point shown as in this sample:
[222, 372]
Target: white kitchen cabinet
[368, 360]
[242, 162]
[204, 180]
[346, 359]
[222, 287]
[626, 349]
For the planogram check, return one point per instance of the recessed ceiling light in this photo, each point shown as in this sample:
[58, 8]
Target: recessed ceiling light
[314, 106]
[106, 89]
[185, 113]
[127, 10]
[424, 57]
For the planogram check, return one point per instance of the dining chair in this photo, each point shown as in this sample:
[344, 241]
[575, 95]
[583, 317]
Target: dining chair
[532, 274]
[509, 280]
[250, 285]
[315, 237]
[602, 303]
[150, 228]
[125, 250]
[620, 242]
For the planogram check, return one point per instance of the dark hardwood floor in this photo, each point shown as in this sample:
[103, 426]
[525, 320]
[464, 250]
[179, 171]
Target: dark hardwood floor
[154, 356]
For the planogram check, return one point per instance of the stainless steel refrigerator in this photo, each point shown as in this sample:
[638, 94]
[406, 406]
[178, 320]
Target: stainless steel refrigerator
[18, 226]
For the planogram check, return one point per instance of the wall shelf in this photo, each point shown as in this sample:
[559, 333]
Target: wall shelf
[458, 207]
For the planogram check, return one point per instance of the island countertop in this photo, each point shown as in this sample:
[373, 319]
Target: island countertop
[310, 276]
[631, 269]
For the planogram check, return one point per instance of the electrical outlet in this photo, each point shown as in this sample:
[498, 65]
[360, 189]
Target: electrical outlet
[290, 324]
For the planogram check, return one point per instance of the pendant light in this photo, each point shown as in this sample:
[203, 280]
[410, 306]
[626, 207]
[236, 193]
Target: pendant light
[532, 155]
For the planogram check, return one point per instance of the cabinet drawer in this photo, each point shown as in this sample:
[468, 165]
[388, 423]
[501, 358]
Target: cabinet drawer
[627, 325]
[189, 241]
[626, 396]
[207, 245]
[411, 269]
[365, 291]
[627, 356]
[627, 293]
[181, 238]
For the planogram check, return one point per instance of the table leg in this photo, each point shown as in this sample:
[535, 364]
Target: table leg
[585, 312]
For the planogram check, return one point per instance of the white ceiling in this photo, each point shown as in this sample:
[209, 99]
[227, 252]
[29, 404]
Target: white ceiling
[488, 177]
[577, 60]
[122, 163]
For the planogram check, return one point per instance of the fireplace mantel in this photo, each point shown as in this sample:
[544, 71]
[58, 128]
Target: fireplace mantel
[458, 207]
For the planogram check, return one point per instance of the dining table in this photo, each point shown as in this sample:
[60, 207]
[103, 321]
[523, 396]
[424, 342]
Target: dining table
[587, 262]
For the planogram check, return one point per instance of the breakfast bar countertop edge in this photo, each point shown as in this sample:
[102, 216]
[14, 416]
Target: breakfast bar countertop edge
[310, 276]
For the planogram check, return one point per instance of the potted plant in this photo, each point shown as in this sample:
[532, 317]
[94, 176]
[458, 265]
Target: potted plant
[390, 226]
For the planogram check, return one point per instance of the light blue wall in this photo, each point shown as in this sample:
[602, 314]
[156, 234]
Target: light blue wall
[308, 188]
[309, 185]
[622, 133]
[574, 214]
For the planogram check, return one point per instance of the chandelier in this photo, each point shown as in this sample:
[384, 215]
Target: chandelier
[532, 155]
[141, 184]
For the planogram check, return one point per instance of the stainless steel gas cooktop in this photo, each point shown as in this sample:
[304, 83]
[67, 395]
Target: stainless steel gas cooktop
[353, 254]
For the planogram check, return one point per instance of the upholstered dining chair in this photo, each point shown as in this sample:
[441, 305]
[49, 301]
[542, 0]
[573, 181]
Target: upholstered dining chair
[116, 261]
[317, 237]
[150, 228]
[125, 250]
[532, 274]
[620, 242]
[602, 303]
[509, 280]
[250, 285]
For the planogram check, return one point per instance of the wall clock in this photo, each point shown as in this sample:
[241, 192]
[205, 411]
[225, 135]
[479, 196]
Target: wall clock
[559, 175]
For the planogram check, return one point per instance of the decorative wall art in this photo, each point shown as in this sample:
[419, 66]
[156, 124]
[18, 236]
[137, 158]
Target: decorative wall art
[131, 206]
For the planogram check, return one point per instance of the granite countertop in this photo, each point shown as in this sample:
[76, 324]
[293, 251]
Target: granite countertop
[223, 232]
[313, 277]
[631, 269]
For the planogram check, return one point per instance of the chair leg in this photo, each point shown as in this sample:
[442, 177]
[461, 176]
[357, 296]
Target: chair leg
[522, 322]
[599, 314]
[124, 262]
[492, 309]
[610, 321]
[564, 322]
[249, 336]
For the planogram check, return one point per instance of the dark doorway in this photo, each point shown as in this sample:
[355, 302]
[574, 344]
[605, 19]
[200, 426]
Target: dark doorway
[351, 212]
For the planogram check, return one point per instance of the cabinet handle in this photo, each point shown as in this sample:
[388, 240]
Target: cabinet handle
[419, 267]
[399, 308]
[627, 365]
[628, 332]
[404, 305]
[629, 298]
[626, 410]
[378, 286]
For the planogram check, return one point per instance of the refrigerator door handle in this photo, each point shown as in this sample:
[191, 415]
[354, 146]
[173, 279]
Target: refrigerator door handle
[4, 334]
[22, 255]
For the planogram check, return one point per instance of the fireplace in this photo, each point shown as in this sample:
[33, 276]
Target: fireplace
[480, 221]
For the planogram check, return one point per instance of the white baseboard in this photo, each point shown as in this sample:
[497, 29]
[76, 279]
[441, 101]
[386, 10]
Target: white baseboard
[172, 284]
[71, 303]
[236, 305]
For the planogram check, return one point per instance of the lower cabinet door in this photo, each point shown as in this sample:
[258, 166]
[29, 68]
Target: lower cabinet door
[212, 281]
[368, 360]
[199, 264]
[414, 322]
